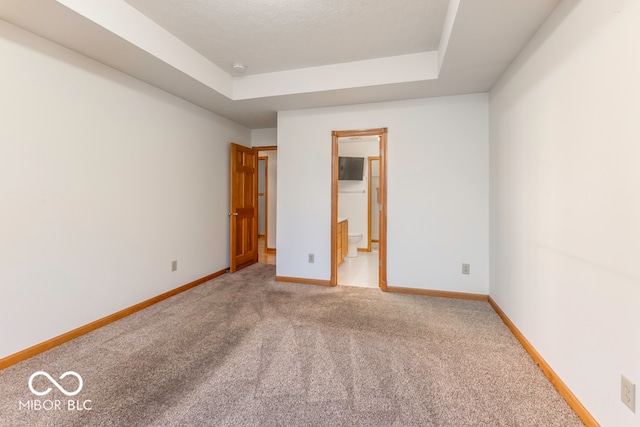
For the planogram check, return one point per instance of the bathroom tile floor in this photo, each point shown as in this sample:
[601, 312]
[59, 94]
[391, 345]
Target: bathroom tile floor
[361, 271]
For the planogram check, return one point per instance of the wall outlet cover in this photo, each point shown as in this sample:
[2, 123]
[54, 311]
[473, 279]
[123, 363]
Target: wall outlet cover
[628, 393]
[466, 268]
[311, 258]
[174, 265]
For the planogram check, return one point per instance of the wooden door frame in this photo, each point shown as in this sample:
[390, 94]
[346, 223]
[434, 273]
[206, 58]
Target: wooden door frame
[382, 133]
[369, 196]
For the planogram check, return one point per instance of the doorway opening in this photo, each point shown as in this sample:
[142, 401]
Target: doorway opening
[267, 177]
[350, 190]
[263, 177]
[373, 203]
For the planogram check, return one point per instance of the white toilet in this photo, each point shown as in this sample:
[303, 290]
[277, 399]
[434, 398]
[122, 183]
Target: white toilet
[353, 239]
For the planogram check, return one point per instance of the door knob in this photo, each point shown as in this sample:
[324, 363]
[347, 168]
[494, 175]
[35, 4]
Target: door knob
[234, 214]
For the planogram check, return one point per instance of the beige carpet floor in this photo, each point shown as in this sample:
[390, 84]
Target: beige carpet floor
[243, 350]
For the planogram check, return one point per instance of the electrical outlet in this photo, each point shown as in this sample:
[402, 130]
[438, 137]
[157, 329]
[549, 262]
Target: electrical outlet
[466, 268]
[628, 393]
[311, 258]
[174, 265]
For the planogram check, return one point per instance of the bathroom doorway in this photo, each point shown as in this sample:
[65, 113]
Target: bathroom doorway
[358, 208]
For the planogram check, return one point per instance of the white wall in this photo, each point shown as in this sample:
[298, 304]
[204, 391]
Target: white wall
[438, 193]
[264, 137]
[565, 199]
[353, 196]
[104, 180]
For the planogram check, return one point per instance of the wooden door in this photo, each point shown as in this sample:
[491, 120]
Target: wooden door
[243, 205]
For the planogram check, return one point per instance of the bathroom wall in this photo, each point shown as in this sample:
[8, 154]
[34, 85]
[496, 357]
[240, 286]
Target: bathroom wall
[374, 185]
[353, 198]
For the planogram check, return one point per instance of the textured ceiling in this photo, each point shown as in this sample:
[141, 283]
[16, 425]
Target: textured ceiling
[299, 53]
[276, 35]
